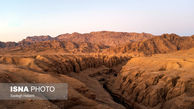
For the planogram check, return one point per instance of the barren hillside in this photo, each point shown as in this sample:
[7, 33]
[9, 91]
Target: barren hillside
[74, 43]
[161, 44]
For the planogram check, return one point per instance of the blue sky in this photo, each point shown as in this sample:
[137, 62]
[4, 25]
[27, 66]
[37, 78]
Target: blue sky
[22, 18]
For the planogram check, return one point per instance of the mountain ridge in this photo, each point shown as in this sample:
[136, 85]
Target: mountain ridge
[103, 41]
[87, 42]
[159, 44]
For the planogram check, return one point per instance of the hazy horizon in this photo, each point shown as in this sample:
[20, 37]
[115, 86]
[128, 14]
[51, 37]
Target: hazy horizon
[21, 18]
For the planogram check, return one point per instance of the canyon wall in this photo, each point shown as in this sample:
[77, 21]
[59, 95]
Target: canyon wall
[157, 82]
[63, 64]
[57, 69]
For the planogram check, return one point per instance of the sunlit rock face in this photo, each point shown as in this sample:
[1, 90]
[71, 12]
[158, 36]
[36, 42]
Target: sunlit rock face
[56, 69]
[158, 82]
[162, 44]
[75, 42]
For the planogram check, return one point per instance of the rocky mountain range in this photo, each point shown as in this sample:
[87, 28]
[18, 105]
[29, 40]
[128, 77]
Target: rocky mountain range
[104, 41]
[103, 70]
[156, 45]
[76, 42]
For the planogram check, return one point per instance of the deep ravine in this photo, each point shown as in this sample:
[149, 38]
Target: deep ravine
[97, 78]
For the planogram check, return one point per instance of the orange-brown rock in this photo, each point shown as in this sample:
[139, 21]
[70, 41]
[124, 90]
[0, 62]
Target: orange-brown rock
[161, 44]
[103, 80]
[76, 97]
[56, 69]
[31, 39]
[63, 64]
[107, 38]
[157, 82]
[75, 42]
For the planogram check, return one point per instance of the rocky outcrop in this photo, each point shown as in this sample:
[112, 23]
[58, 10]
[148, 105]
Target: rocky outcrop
[79, 95]
[162, 44]
[60, 69]
[63, 64]
[32, 39]
[157, 82]
[8, 44]
[2, 45]
[62, 46]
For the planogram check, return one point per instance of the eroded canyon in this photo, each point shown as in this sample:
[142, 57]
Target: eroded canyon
[104, 70]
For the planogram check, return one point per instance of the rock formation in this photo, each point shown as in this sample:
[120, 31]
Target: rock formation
[32, 39]
[146, 71]
[76, 97]
[56, 69]
[160, 44]
[106, 38]
[63, 64]
[157, 82]
[75, 42]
